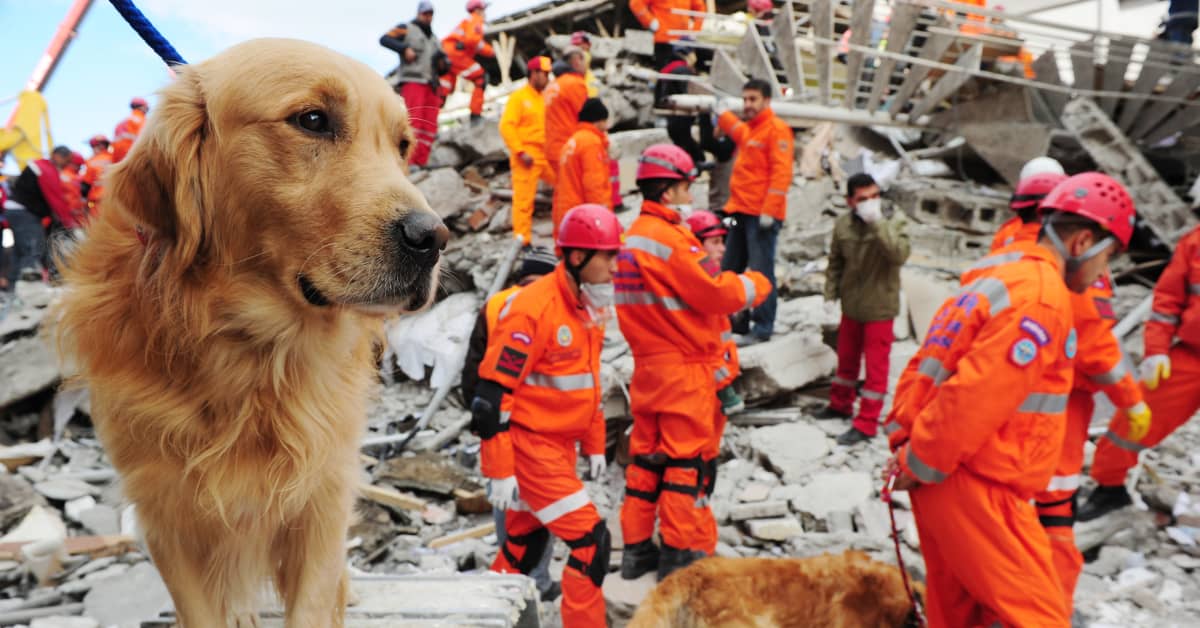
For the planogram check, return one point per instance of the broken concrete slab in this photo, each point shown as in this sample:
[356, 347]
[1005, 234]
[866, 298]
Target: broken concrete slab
[65, 489]
[27, 367]
[924, 292]
[758, 510]
[754, 492]
[622, 597]
[101, 520]
[775, 529]
[135, 596]
[480, 143]
[782, 365]
[446, 192]
[830, 492]
[429, 472]
[792, 450]
[60, 621]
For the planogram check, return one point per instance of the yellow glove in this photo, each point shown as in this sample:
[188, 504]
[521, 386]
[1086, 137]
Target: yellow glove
[1139, 421]
[1154, 369]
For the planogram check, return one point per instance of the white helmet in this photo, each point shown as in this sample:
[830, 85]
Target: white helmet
[1040, 165]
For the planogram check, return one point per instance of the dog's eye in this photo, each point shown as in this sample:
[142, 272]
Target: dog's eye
[404, 146]
[314, 121]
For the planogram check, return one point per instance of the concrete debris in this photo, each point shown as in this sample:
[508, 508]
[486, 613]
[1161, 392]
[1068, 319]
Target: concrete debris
[446, 192]
[136, 595]
[776, 529]
[27, 367]
[792, 450]
[758, 510]
[834, 492]
[784, 364]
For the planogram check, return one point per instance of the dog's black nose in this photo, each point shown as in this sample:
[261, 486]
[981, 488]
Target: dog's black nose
[420, 232]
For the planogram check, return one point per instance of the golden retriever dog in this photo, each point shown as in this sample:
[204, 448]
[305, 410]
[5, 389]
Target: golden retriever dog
[827, 591]
[223, 312]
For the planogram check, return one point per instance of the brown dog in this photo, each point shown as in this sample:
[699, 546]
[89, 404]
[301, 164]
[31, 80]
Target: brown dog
[223, 309]
[845, 591]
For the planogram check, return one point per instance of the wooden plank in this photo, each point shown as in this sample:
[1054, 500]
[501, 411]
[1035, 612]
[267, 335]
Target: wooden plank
[1083, 64]
[822, 26]
[1181, 87]
[904, 19]
[390, 497]
[860, 35]
[477, 532]
[785, 41]
[93, 546]
[1045, 70]
[756, 61]
[1113, 80]
[1147, 80]
[949, 83]
[935, 46]
[725, 73]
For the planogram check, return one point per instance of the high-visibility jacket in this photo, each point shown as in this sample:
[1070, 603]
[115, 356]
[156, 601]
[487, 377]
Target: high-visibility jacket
[545, 350]
[91, 176]
[564, 98]
[584, 172]
[1176, 310]
[126, 132]
[987, 391]
[762, 171]
[647, 11]
[71, 180]
[523, 123]
[466, 40]
[1013, 231]
[667, 301]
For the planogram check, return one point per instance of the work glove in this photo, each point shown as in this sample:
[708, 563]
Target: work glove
[503, 492]
[1139, 421]
[596, 465]
[766, 222]
[1154, 369]
[654, 26]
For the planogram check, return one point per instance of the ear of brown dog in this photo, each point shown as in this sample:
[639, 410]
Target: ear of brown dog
[159, 182]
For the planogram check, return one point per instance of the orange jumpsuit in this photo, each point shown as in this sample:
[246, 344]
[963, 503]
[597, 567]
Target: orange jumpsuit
[461, 46]
[546, 350]
[1015, 230]
[91, 176]
[126, 132]
[979, 419]
[1175, 316]
[666, 305]
[1099, 367]
[71, 178]
[564, 96]
[647, 11]
[584, 172]
[523, 128]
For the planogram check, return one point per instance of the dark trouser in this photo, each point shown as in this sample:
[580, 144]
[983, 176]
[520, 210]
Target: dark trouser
[679, 128]
[1179, 28]
[29, 243]
[664, 52]
[750, 246]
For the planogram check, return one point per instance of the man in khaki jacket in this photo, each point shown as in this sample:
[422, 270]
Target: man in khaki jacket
[865, 257]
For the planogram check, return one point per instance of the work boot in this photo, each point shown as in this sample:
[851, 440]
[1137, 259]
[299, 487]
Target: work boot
[853, 436]
[830, 412]
[638, 559]
[476, 119]
[1103, 500]
[731, 402]
[674, 559]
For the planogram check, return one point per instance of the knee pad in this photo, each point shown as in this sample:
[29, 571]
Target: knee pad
[597, 569]
[534, 543]
[652, 466]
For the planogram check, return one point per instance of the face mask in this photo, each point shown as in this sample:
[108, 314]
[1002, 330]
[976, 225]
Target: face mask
[598, 295]
[870, 210]
[684, 210]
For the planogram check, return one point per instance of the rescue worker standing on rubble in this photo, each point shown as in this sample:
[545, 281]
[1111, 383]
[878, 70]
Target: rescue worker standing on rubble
[667, 304]
[100, 160]
[129, 129]
[1099, 367]
[1037, 178]
[1170, 374]
[659, 17]
[462, 45]
[523, 128]
[584, 42]
[711, 232]
[564, 100]
[538, 394]
[978, 422]
[762, 174]
[584, 168]
[422, 62]
[38, 193]
[865, 255]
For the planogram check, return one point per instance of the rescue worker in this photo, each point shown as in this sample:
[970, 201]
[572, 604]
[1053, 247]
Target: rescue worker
[544, 358]
[865, 256]
[584, 168]
[536, 264]
[564, 98]
[462, 45]
[72, 181]
[978, 422]
[1099, 367]
[523, 128]
[659, 17]
[1038, 177]
[711, 232]
[584, 42]
[762, 174]
[422, 63]
[100, 160]
[129, 129]
[37, 194]
[666, 304]
[1169, 374]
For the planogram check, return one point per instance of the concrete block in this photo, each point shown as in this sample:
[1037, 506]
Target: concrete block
[759, 510]
[790, 449]
[775, 529]
[783, 364]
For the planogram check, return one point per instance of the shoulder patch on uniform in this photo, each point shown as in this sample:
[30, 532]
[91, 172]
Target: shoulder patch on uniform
[564, 336]
[1072, 344]
[1035, 329]
[511, 361]
[1105, 308]
[1023, 352]
[522, 338]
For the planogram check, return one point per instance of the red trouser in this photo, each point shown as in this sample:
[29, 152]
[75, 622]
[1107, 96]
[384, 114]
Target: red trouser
[553, 498]
[423, 106]
[987, 558]
[674, 457]
[1056, 504]
[468, 69]
[1171, 405]
[874, 339]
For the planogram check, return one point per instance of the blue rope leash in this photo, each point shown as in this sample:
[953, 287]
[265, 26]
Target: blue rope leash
[149, 34]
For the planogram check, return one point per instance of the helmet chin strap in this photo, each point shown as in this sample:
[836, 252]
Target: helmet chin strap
[575, 271]
[1074, 262]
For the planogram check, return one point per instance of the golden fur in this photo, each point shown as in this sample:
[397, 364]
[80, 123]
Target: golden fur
[232, 406]
[844, 591]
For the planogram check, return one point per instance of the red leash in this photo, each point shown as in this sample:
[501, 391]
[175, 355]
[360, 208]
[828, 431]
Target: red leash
[918, 610]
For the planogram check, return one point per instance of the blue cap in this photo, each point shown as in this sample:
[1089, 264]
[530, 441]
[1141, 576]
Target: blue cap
[424, 6]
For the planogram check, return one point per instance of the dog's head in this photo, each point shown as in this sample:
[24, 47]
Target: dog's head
[285, 161]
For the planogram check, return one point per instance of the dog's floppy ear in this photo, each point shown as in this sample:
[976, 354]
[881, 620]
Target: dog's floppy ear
[158, 182]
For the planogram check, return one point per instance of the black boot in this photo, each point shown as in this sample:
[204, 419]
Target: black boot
[829, 412]
[675, 559]
[1102, 501]
[853, 436]
[638, 559]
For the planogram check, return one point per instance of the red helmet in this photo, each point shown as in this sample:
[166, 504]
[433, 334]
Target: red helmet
[1097, 197]
[77, 159]
[759, 5]
[1031, 190]
[590, 226]
[666, 161]
[475, 4]
[138, 102]
[98, 139]
[705, 224]
[579, 38]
